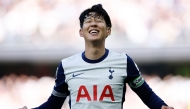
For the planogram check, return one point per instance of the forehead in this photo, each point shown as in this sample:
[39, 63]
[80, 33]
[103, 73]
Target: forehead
[92, 14]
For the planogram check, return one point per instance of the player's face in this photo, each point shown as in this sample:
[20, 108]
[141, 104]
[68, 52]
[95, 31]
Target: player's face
[94, 28]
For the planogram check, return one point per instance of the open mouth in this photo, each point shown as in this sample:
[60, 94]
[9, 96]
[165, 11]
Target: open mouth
[93, 31]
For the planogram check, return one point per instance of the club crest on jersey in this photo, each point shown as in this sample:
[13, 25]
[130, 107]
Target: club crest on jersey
[111, 71]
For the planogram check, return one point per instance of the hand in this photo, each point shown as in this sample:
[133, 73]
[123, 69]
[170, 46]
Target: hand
[166, 107]
[24, 107]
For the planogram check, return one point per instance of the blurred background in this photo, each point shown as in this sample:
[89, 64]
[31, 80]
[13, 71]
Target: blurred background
[36, 34]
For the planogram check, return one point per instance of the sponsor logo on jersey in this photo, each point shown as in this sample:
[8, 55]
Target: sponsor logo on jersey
[75, 75]
[137, 82]
[83, 93]
[111, 71]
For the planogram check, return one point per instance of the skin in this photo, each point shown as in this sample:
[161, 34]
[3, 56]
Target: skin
[95, 43]
[167, 107]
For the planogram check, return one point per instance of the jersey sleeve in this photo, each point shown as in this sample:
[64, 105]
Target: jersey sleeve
[132, 70]
[140, 87]
[59, 93]
[61, 87]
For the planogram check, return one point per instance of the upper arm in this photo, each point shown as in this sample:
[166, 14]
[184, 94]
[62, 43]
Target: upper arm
[59, 93]
[61, 87]
[133, 72]
[140, 87]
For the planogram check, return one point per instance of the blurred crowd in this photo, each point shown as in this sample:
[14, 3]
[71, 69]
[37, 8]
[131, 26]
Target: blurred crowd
[54, 23]
[18, 91]
[47, 24]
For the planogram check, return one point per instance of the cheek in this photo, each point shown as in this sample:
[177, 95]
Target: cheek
[85, 29]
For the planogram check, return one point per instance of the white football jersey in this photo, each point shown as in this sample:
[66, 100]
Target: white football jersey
[95, 84]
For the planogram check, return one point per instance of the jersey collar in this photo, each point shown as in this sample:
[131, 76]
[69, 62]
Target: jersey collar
[95, 61]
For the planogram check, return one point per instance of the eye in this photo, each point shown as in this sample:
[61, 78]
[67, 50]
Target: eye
[99, 20]
[87, 21]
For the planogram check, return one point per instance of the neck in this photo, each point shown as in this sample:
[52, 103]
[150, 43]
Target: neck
[94, 53]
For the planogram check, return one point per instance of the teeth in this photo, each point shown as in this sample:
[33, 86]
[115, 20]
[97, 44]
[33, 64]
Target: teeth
[93, 31]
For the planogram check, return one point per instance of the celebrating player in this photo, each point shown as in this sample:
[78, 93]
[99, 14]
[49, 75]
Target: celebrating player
[97, 77]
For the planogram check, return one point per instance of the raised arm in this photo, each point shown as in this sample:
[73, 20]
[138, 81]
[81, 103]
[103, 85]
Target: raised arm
[141, 88]
[59, 93]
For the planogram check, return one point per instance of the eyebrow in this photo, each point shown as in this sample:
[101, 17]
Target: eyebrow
[91, 16]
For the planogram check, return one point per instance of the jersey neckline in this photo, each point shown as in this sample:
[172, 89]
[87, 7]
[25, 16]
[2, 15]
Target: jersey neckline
[97, 60]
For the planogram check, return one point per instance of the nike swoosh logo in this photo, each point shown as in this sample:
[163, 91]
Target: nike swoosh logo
[76, 74]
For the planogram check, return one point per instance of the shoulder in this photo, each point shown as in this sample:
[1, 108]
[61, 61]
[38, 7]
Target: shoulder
[131, 63]
[121, 55]
[72, 62]
[117, 54]
[72, 58]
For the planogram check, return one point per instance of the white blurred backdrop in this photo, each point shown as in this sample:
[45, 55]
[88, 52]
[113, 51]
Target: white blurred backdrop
[36, 30]
[30, 91]
[46, 31]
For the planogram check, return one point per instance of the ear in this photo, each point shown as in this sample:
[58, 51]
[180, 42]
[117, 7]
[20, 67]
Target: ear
[81, 33]
[108, 31]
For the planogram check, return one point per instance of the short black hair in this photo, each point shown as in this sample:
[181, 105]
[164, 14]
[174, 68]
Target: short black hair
[98, 9]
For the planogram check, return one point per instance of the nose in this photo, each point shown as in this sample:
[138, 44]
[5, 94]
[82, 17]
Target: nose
[93, 23]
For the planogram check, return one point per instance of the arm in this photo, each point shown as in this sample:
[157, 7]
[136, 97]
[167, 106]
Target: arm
[59, 93]
[141, 88]
[147, 95]
[53, 102]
